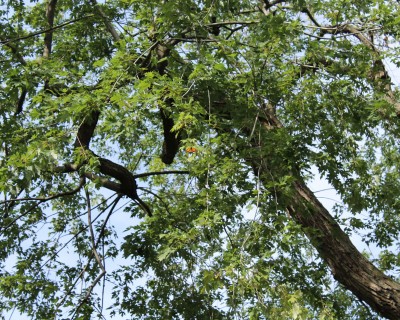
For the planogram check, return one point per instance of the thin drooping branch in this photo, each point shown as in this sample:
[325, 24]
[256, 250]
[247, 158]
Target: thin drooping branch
[157, 196]
[69, 291]
[92, 236]
[95, 254]
[103, 227]
[76, 234]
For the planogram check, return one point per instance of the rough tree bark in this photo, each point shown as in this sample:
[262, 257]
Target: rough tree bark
[349, 267]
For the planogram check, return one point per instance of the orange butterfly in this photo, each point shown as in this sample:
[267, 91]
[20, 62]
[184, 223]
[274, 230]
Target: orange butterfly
[191, 149]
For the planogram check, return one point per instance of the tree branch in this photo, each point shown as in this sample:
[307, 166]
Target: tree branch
[348, 265]
[80, 231]
[14, 51]
[106, 21]
[309, 14]
[41, 200]
[92, 237]
[86, 130]
[114, 204]
[379, 74]
[48, 37]
[55, 196]
[147, 174]
[33, 34]
[157, 196]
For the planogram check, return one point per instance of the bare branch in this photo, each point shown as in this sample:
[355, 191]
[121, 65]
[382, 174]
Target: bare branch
[33, 34]
[114, 204]
[91, 231]
[74, 284]
[147, 174]
[75, 235]
[95, 254]
[309, 14]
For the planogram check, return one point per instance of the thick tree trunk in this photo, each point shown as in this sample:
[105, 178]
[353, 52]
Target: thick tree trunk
[348, 265]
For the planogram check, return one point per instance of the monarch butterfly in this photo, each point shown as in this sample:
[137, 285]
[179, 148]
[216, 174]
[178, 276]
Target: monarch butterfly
[191, 149]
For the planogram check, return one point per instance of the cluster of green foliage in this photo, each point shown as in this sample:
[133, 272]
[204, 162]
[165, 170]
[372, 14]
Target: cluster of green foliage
[219, 243]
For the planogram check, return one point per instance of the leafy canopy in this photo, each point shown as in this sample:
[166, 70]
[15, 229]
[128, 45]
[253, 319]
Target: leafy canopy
[213, 239]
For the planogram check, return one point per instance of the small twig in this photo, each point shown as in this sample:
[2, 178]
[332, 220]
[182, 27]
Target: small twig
[138, 161]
